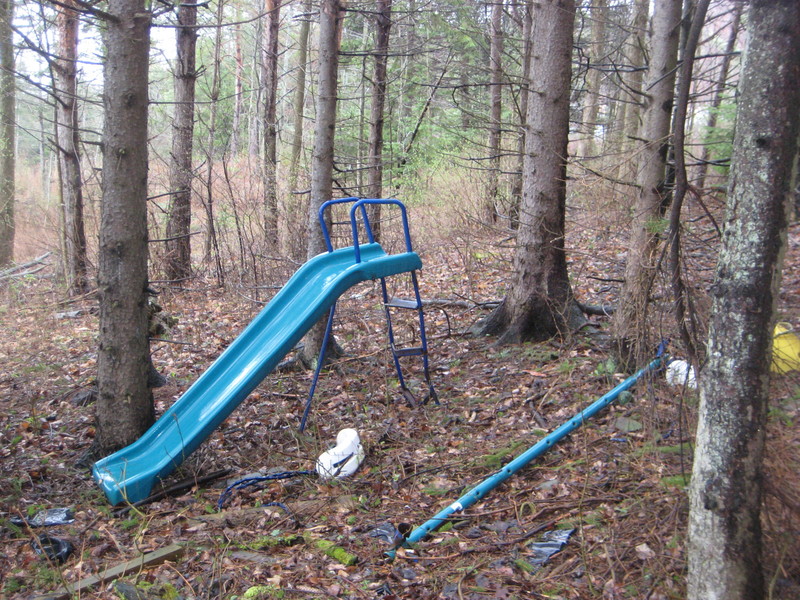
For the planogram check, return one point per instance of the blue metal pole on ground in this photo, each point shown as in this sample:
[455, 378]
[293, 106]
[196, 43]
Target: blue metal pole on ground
[541, 447]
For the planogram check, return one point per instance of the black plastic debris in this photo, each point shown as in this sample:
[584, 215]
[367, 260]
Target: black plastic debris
[389, 534]
[46, 518]
[55, 549]
[384, 592]
[552, 542]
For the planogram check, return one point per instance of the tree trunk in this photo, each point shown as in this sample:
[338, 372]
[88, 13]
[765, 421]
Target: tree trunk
[212, 242]
[125, 404]
[495, 109]
[383, 24]
[628, 325]
[300, 95]
[254, 115]
[359, 161]
[269, 81]
[7, 132]
[591, 102]
[238, 104]
[516, 185]
[296, 203]
[331, 15]
[633, 109]
[726, 489]
[179, 223]
[68, 140]
[408, 70]
[540, 302]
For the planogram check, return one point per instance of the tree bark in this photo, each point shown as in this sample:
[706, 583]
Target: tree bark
[633, 83]
[124, 405]
[495, 109]
[591, 101]
[254, 114]
[331, 15]
[7, 132]
[68, 142]
[629, 323]
[299, 95]
[383, 25]
[726, 489]
[212, 242]
[539, 302]
[269, 81]
[179, 221]
[238, 105]
[516, 184]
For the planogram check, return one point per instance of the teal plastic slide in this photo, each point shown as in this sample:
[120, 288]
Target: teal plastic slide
[129, 474]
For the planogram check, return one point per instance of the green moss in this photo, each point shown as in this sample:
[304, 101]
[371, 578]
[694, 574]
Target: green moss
[497, 459]
[260, 592]
[12, 586]
[679, 481]
[676, 449]
[271, 541]
[567, 367]
[169, 592]
[524, 565]
[594, 518]
[330, 549]
[539, 352]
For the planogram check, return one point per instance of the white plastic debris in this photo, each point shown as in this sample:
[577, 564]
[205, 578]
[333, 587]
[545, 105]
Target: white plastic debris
[680, 372]
[344, 459]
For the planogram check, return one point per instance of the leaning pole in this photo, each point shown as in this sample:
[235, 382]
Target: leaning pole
[509, 470]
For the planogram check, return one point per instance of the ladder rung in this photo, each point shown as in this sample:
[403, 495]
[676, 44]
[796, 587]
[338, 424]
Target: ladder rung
[402, 303]
[416, 351]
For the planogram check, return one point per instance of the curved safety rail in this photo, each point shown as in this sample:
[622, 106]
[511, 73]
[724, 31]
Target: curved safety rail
[360, 206]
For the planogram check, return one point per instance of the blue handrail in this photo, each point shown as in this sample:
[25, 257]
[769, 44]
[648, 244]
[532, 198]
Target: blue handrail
[361, 204]
[321, 215]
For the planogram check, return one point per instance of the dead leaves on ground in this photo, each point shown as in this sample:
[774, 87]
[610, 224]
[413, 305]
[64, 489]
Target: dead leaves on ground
[620, 487]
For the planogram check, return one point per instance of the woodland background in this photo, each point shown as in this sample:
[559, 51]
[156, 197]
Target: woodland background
[453, 138]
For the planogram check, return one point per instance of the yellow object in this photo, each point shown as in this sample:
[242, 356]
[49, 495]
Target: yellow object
[785, 349]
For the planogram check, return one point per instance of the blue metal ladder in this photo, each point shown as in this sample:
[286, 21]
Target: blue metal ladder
[359, 208]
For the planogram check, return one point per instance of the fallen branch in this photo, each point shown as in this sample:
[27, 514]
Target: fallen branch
[449, 303]
[12, 271]
[24, 273]
[150, 559]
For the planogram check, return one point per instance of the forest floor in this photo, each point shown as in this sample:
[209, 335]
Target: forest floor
[618, 482]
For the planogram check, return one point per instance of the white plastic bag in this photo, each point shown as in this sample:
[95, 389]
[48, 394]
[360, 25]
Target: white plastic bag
[344, 458]
[680, 372]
